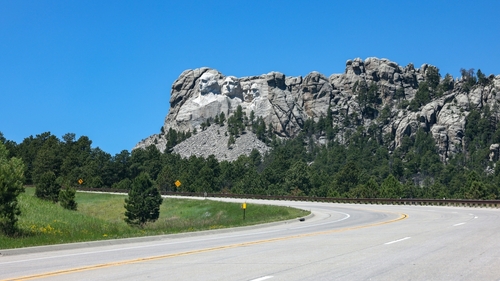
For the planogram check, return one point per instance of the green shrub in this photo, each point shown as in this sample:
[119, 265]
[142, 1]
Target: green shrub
[47, 188]
[67, 198]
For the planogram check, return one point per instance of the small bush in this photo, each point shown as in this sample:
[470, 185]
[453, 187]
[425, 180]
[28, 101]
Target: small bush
[47, 188]
[67, 198]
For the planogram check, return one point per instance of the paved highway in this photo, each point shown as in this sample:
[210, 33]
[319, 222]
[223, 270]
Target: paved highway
[340, 242]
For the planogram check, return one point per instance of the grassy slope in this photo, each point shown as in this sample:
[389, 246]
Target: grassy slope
[100, 216]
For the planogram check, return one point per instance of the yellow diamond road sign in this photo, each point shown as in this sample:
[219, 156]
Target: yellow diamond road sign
[177, 183]
[80, 181]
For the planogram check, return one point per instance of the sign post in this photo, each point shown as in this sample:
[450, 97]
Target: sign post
[244, 207]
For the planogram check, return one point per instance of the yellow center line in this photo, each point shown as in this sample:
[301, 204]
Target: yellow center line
[111, 264]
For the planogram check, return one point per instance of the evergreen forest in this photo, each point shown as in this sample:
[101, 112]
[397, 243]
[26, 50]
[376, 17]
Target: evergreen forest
[360, 167]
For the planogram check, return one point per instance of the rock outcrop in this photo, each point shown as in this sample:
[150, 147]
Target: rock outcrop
[213, 141]
[285, 103]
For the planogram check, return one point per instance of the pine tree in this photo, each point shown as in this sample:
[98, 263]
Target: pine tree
[47, 188]
[230, 141]
[391, 188]
[11, 185]
[433, 77]
[481, 78]
[222, 118]
[67, 198]
[143, 202]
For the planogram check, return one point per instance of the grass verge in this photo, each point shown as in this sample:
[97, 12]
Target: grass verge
[100, 217]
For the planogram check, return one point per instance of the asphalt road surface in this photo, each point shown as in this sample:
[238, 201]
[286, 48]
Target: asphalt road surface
[339, 242]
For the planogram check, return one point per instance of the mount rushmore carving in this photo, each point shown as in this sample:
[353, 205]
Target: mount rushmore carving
[285, 103]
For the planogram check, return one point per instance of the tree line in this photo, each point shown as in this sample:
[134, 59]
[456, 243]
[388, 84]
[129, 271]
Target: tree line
[361, 167]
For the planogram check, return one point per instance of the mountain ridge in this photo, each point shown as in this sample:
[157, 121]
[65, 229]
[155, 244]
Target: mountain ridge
[373, 94]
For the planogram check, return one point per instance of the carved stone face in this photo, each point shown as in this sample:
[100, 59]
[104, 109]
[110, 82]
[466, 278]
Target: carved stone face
[230, 86]
[208, 84]
[247, 95]
[255, 90]
[250, 91]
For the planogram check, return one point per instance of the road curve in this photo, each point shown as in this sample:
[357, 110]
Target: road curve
[340, 242]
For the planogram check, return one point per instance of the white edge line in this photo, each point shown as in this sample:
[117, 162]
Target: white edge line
[262, 278]
[169, 242]
[395, 241]
[339, 220]
[459, 224]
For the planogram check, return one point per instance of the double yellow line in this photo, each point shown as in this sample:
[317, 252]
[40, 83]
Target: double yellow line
[111, 264]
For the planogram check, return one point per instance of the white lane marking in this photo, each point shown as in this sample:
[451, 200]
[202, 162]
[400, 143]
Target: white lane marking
[306, 226]
[459, 224]
[179, 242]
[396, 241]
[262, 278]
[476, 217]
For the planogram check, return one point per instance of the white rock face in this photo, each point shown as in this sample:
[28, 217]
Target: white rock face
[494, 152]
[286, 102]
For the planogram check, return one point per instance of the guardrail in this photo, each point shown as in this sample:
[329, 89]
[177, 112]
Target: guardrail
[388, 201]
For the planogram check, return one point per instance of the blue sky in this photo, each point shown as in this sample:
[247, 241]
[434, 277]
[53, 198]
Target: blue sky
[104, 69]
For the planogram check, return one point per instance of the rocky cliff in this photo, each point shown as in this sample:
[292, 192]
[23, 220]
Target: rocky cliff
[213, 141]
[372, 93]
